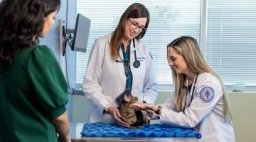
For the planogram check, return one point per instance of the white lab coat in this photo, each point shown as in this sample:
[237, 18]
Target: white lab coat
[105, 79]
[204, 116]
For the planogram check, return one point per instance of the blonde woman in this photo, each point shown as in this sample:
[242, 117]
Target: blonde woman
[199, 99]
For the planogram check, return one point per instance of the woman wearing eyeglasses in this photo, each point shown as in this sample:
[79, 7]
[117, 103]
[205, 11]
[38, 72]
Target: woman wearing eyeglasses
[120, 62]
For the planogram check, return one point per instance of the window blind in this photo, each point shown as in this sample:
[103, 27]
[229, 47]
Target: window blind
[231, 40]
[169, 19]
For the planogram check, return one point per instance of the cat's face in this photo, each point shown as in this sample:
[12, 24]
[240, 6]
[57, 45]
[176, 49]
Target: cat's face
[127, 112]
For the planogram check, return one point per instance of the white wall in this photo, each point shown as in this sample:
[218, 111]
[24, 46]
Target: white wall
[242, 106]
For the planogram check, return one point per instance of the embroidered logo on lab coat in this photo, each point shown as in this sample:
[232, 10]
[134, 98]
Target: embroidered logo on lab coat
[207, 94]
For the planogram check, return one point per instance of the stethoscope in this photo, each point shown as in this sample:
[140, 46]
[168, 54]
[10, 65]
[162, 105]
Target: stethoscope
[136, 62]
[191, 92]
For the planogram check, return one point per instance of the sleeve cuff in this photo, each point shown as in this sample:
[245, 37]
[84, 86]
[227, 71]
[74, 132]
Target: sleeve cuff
[58, 111]
[105, 108]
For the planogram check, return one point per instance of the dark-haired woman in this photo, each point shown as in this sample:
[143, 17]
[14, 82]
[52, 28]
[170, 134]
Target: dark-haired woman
[120, 62]
[33, 90]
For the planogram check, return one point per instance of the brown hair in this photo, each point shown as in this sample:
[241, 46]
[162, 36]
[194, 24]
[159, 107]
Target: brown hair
[136, 10]
[21, 23]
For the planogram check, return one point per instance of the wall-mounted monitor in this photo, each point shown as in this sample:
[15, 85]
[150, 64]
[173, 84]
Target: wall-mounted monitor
[81, 33]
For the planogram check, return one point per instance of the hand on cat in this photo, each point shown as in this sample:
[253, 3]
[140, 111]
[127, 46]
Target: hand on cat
[115, 113]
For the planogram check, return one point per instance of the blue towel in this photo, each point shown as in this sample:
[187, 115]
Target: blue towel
[100, 129]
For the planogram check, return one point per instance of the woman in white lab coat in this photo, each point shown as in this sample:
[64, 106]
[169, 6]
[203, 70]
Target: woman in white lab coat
[199, 99]
[118, 62]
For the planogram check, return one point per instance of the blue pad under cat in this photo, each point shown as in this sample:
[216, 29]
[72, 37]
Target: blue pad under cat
[100, 129]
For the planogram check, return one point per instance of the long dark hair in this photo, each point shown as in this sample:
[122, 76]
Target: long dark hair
[136, 10]
[21, 22]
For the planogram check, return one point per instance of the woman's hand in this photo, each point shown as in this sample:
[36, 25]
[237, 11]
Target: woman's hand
[145, 106]
[115, 113]
[139, 106]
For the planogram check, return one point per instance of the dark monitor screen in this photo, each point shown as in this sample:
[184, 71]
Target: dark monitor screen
[81, 33]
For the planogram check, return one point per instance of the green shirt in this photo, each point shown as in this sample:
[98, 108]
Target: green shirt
[33, 90]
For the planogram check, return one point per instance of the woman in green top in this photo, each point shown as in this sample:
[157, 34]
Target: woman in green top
[33, 90]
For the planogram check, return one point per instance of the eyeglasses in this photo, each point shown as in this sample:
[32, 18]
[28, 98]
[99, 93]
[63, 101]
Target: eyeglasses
[134, 25]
